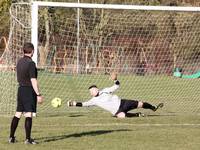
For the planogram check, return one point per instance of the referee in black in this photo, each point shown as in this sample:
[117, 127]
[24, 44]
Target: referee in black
[28, 93]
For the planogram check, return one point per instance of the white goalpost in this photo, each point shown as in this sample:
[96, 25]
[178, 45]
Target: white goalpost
[154, 49]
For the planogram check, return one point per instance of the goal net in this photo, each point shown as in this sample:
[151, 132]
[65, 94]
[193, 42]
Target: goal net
[154, 50]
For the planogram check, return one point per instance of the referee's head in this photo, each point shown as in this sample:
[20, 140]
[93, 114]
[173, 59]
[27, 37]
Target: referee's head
[28, 48]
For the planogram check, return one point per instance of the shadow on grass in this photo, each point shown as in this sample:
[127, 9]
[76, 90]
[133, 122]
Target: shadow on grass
[160, 115]
[76, 115]
[78, 135]
[139, 114]
[62, 115]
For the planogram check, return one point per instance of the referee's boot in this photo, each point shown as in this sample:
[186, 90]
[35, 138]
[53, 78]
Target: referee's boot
[30, 141]
[12, 140]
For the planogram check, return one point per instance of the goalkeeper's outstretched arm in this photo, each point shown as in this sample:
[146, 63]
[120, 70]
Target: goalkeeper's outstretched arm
[113, 76]
[74, 103]
[91, 102]
[95, 93]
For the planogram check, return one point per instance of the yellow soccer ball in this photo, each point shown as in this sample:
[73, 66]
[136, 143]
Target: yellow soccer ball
[56, 102]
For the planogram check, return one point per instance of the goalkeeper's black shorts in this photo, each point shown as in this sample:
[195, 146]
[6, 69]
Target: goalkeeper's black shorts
[127, 105]
[26, 99]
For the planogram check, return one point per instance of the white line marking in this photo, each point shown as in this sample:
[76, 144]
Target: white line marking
[129, 124]
[122, 124]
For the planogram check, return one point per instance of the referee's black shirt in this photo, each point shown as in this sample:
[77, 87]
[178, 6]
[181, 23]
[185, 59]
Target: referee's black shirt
[26, 69]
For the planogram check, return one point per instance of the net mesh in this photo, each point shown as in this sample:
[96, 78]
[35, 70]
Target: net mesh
[155, 53]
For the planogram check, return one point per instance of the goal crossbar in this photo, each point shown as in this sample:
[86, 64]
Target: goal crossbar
[115, 6]
[36, 4]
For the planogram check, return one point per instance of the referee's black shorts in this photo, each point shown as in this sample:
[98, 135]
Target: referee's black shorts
[127, 105]
[26, 99]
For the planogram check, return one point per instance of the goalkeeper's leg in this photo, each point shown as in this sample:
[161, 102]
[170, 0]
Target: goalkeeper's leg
[146, 105]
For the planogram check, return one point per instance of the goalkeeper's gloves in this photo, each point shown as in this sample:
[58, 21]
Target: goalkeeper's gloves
[71, 103]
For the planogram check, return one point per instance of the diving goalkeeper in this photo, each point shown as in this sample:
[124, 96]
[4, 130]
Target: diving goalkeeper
[105, 99]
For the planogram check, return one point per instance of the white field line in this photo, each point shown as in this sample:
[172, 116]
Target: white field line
[130, 124]
[118, 125]
[123, 124]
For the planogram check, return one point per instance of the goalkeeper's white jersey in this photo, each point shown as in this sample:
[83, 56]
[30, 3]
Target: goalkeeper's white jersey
[106, 100]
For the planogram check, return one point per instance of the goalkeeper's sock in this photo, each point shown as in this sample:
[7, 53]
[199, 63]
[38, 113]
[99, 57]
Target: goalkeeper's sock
[28, 126]
[148, 106]
[13, 126]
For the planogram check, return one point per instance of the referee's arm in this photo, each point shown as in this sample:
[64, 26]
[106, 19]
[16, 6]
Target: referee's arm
[35, 86]
[33, 76]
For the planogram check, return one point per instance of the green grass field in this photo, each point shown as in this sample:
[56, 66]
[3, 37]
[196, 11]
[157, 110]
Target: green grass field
[175, 127]
[97, 130]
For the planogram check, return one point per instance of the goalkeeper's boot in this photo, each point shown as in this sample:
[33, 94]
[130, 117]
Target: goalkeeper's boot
[30, 141]
[12, 140]
[160, 105]
[141, 114]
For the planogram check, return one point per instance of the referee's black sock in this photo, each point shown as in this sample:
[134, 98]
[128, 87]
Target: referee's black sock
[28, 126]
[13, 126]
[148, 106]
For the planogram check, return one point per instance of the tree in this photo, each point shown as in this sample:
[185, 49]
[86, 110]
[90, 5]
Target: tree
[4, 19]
